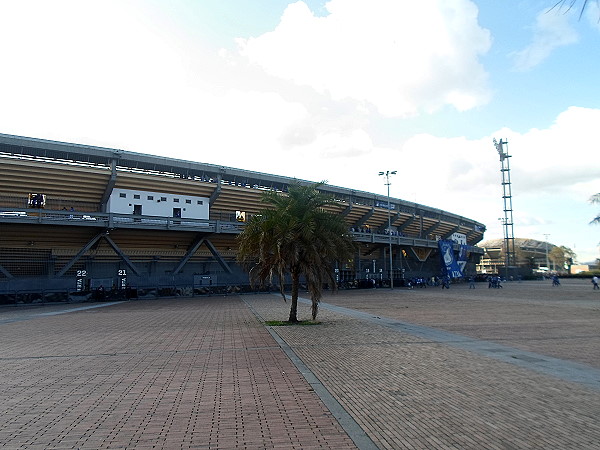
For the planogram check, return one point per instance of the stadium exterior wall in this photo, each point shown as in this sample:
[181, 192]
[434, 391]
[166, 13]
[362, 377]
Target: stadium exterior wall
[67, 243]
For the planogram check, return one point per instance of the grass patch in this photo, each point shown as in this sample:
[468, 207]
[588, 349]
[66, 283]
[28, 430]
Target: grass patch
[283, 323]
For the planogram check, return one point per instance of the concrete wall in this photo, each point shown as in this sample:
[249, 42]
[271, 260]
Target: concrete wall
[123, 201]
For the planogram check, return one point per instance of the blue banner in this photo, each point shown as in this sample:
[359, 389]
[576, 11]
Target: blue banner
[463, 256]
[448, 261]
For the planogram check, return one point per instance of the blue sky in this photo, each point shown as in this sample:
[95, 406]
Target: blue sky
[330, 90]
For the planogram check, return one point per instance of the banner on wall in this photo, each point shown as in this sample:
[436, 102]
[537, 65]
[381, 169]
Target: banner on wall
[459, 238]
[448, 260]
[463, 256]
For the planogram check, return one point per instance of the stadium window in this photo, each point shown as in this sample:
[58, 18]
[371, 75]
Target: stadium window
[151, 197]
[200, 202]
[163, 199]
[136, 196]
[176, 200]
[123, 195]
[188, 201]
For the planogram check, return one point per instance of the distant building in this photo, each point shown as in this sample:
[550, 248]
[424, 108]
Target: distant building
[531, 256]
[580, 268]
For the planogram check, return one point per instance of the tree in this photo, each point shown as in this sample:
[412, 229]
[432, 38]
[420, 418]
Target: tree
[595, 199]
[562, 256]
[568, 4]
[570, 255]
[295, 235]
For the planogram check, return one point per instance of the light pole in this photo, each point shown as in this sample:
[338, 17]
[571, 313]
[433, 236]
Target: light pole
[547, 262]
[387, 175]
[507, 258]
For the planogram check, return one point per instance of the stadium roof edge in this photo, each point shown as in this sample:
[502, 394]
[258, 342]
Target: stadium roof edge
[103, 155]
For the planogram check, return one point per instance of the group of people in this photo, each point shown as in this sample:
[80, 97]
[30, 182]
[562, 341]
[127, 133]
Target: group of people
[422, 282]
[419, 282]
[555, 280]
[494, 282]
[367, 229]
[595, 281]
[392, 232]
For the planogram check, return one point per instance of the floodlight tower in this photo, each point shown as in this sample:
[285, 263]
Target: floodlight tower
[387, 175]
[547, 262]
[507, 221]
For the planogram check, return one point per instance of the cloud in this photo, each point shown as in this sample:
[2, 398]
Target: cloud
[81, 70]
[551, 31]
[553, 172]
[402, 58]
[559, 157]
[463, 175]
[298, 101]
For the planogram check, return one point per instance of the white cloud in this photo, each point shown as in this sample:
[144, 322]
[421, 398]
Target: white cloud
[401, 57]
[550, 168]
[559, 157]
[551, 31]
[554, 171]
[134, 87]
[79, 70]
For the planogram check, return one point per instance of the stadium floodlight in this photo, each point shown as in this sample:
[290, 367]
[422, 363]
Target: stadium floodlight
[387, 175]
[500, 148]
[507, 222]
[547, 262]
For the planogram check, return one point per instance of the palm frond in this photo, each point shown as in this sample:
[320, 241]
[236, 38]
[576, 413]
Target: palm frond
[295, 235]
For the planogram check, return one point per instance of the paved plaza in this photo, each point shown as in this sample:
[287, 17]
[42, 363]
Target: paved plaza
[511, 368]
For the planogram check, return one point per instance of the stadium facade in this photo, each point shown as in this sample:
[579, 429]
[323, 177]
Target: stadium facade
[75, 219]
[532, 256]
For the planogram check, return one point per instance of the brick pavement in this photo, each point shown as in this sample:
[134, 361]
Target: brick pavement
[412, 393]
[204, 373]
[195, 373]
[563, 322]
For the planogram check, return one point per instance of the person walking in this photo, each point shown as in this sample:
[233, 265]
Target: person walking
[446, 282]
[595, 282]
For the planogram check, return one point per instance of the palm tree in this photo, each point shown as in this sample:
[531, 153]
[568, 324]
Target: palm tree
[295, 235]
[595, 199]
[568, 4]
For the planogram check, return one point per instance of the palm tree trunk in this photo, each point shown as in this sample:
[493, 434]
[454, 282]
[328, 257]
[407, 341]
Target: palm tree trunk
[295, 289]
[314, 308]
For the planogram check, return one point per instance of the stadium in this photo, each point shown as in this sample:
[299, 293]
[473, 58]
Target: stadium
[76, 220]
[531, 256]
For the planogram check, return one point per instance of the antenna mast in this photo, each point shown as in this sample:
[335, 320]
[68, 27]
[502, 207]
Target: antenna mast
[507, 221]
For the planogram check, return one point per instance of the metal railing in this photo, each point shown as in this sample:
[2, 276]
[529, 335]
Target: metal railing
[113, 220]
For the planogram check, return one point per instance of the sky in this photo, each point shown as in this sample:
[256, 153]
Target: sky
[333, 91]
